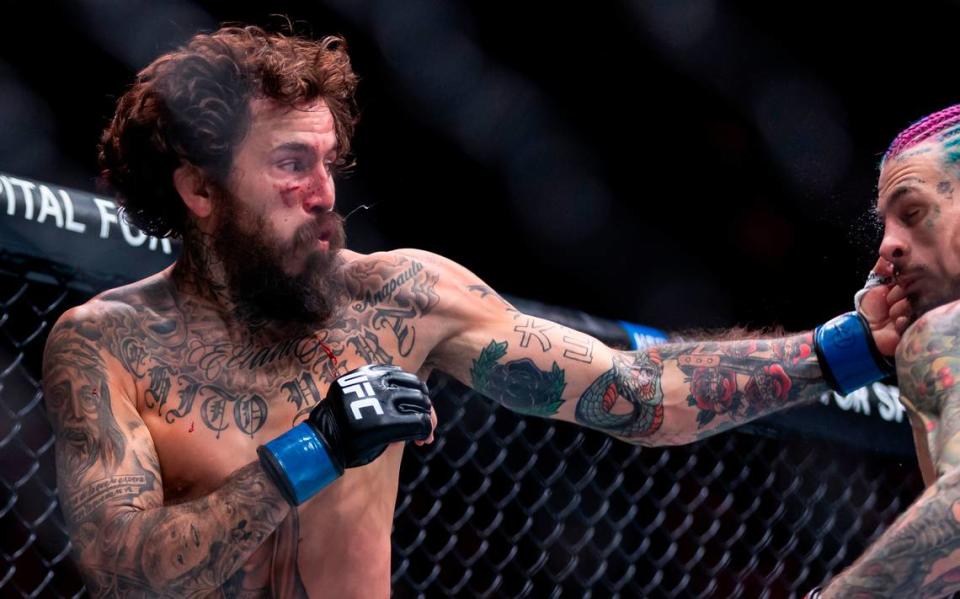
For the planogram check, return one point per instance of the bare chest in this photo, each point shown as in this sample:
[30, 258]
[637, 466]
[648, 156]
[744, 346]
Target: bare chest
[209, 403]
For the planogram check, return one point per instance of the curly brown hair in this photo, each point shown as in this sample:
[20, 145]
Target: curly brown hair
[193, 105]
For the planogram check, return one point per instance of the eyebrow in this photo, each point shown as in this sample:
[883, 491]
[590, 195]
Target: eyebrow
[902, 190]
[293, 146]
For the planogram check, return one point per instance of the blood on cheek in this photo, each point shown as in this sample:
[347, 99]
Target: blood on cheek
[290, 194]
[295, 194]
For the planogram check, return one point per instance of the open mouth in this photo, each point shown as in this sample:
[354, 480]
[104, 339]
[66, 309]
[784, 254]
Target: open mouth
[323, 239]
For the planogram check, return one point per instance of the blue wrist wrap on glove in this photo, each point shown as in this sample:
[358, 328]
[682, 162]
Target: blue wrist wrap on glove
[847, 354]
[303, 459]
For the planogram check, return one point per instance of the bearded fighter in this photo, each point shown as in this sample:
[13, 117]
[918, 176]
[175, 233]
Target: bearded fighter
[234, 425]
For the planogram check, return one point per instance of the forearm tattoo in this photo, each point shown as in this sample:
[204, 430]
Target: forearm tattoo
[718, 384]
[634, 388]
[191, 374]
[901, 562]
[689, 389]
[185, 550]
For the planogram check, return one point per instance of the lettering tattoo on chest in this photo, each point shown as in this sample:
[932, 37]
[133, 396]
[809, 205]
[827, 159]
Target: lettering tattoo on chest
[187, 367]
[172, 353]
[303, 393]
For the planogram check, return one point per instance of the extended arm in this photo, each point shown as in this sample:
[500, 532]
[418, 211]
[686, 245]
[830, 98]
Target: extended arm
[673, 393]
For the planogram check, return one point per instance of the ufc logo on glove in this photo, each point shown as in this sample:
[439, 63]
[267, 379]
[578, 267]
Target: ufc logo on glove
[359, 385]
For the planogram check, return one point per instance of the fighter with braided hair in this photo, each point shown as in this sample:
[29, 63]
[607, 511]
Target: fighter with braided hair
[919, 555]
[234, 424]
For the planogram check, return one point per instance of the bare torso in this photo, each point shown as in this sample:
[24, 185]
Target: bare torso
[209, 401]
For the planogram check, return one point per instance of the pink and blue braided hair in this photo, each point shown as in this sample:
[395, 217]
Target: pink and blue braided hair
[943, 126]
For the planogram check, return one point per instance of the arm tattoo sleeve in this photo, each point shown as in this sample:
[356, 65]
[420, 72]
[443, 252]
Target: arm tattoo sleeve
[127, 543]
[674, 393]
[680, 392]
[190, 549]
[671, 393]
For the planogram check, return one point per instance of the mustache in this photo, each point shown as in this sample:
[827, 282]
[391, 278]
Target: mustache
[328, 225]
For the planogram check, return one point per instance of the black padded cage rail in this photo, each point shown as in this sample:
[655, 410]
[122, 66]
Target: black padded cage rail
[501, 505]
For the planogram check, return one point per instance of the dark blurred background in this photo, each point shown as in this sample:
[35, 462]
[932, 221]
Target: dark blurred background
[680, 163]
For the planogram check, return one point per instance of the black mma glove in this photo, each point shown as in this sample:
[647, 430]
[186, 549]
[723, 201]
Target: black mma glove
[364, 411]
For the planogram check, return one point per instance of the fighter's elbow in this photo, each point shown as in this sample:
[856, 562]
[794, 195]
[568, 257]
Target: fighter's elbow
[667, 433]
[104, 551]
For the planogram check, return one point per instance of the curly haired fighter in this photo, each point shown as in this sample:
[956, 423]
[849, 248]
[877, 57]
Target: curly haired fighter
[162, 392]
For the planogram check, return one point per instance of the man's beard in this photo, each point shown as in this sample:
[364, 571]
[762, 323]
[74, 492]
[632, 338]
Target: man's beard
[933, 295]
[921, 304]
[254, 271]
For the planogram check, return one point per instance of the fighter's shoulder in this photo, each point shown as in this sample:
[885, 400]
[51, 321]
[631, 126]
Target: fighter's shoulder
[93, 313]
[398, 259]
[449, 268]
[943, 319]
[406, 263]
[439, 284]
[937, 331]
[125, 303]
[76, 340]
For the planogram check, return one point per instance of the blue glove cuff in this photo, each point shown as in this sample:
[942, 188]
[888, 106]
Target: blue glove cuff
[848, 356]
[299, 462]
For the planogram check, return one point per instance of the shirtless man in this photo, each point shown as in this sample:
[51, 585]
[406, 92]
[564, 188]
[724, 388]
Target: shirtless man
[161, 392]
[919, 556]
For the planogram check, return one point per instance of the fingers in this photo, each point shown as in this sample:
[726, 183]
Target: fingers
[874, 303]
[411, 401]
[425, 434]
[901, 324]
[896, 294]
[886, 341]
[884, 304]
[411, 397]
[401, 378]
[900, 309]
[433, 428]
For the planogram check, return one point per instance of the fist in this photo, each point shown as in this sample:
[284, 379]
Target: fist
[369, 408]
[886, 309]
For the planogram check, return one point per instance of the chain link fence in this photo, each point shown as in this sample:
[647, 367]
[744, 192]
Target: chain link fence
[507, 506]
